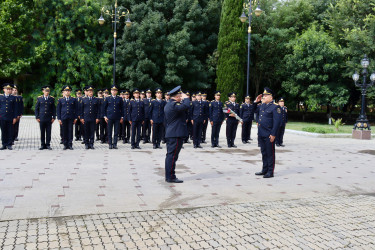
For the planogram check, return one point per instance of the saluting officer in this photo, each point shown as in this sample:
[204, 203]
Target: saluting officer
[206, 112]
[137, 114]
[126, 122]
[247, 115]
[45, 114]
[113, 114]
[198, 111]
[147, 124]
[284, 121]
[156, 114]
[268, 125]
[232, 122]
[78, 127]
[19, 103]
[89, 116]
[8, 116]
[216, 115]
[67, 114]
[176, 131]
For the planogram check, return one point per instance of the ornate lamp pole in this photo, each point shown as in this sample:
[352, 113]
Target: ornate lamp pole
[247, 7]
[362, 124]
[115, 13]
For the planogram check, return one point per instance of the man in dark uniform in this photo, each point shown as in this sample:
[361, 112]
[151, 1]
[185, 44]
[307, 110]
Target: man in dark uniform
[78, 127]
[232, 122]
[176, 131]
[137, 114]
[146, 127]
[188, 121]
[284, 121]
[67, 116]
[156, 115]
[89, 115]
[8, 116]
[100, 100]
[216, 119]
[206, 111]
[126, 123]
[19, 102]
[268, 125]
[198, 112]
[113, 107]
[103, 123]
[166, 99]
[247, 115]
[45, 114]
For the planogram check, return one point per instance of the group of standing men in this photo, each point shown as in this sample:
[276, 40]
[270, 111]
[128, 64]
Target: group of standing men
[11, 111]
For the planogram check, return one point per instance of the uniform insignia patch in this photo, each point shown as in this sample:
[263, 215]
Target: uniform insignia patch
[278, 110]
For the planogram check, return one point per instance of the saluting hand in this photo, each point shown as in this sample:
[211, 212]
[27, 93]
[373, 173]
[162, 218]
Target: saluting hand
[259, 98]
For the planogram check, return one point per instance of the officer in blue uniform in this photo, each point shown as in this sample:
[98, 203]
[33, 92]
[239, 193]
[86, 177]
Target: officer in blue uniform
[176, 130]
[156, 115]
[89, 115]
[284, 121]
[113, 108]
[67, 114]
[268, 125]
[137, 114]
[126, 124]
[45, 114]
[78, 127]
[146, 131]
[103, 124]
[188, 121]
[216, 119]
[19, 102]
[198, 111]
[97, 128]
[207, 114]
[8, 116]
[232, 122]
[247, 115]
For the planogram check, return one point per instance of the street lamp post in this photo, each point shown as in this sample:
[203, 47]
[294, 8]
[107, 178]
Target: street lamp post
[247, 7]
[115, 13]
[362, 129]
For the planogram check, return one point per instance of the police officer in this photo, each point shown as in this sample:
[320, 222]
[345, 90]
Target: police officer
[284, 121]
[89, 115]
[45, 114]
[19, 103]
[147, 124]
[268, 125]
[100, 100]
[67, 114]
[78, 131]
[188, 121]
[8, 116]
[103, 124]
[113, 107]
[232, 122]
[176, 130]
[126, 123]
[137, 114]
[198, 111]
[156, 114]
[216, 116]
[247, 115]
[206, 112]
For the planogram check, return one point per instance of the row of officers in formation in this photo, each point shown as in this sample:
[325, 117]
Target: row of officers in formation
[111, 117]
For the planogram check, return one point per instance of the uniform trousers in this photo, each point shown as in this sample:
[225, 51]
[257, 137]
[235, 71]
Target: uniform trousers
[231, 130]
[267, 149]
[157, 129]
[103, 130]
[16, 129]
[280, 135]
[215, 133]
[6, 133]
[136, 133]
[45, 133]
[89, 127]
[197, 132]
[246, 131]
[78, 131]
[113, 125]
[146, 130]
[67, 132]
[126, 130]
[204, 131]
[174, 145]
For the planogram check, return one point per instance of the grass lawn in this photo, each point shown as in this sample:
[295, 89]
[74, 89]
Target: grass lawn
[319, 128]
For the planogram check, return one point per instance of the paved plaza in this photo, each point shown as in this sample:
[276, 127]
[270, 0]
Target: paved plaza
[322, 196]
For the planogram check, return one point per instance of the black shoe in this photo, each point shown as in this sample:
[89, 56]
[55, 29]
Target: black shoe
[234, 146]
[144, 142]
[102, 142]
[212, 146]
[87, 146]
[115, 147]
[61, 142]
[41, 148]
[3, 147]
[159, 147]
[277, 145]
[132, 147]
[16, 139]
[260, 173]
[110, 146]
[92, 146]
[218, 146]
[175, 181]
[10, 148]
[71, 147]
[250, 139]
[138, 147]
[123, 142]
[282, 145]
[65, 148]
[97, 139]
[76, 139]
[248, 142]
[163, 142]
[195, 146]
[268, 175]
[49, 148]
[229, 146]
[154, 147]
[199, 146]
[244, 142]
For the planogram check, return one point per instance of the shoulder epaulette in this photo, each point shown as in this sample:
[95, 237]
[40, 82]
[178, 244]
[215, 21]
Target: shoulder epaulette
[40, 96]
